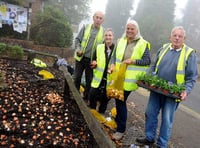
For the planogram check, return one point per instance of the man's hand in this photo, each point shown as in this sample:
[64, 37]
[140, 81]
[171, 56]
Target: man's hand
[93, 64]
[184, 95]
[79, 53]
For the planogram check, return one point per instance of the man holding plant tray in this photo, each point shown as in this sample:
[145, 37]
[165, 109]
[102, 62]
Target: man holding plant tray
[175, 62]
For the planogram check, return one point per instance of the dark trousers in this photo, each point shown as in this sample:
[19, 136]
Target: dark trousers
[98, 94]
[80, 67]
[121, 116]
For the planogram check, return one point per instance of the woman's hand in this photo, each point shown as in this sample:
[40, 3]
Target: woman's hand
[111, 68]
[129, 61]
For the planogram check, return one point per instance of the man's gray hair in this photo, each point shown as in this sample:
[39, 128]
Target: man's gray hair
[179, 28]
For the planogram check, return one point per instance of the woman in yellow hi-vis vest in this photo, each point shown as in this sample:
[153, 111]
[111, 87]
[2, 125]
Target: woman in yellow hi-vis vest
[100, 65]
[85, 44]
[134, 51]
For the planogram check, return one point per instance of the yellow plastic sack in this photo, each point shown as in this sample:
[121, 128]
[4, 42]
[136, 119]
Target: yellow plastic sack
[113, 112]
[82, 89]
[116, 88]
[98, 116]
[111, 123]
[46, 74]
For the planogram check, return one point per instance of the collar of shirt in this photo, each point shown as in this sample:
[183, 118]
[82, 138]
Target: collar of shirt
[177, 50]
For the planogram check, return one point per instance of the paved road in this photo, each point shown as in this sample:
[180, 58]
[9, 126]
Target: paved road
[186, 127]
[193, 101]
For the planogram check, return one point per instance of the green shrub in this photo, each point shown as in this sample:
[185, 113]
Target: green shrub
[2, 48]
[12, 51]
[51, 28]
[15, 2]
[15, 51]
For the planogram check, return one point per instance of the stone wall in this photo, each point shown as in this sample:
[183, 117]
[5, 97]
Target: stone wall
[66, 53]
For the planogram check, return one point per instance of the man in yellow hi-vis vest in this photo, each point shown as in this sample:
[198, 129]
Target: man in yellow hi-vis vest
[85, 44]
[176, 63]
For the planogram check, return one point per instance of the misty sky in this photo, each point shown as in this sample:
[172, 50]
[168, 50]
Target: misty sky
[100, 5]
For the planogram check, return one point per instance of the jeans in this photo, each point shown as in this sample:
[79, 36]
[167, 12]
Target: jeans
[121, 116]
[80, 67]
[168, 107]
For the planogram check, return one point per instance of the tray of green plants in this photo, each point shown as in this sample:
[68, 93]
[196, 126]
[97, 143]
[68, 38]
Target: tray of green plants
[156, 84]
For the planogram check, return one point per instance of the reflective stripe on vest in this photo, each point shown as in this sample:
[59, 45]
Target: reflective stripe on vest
[132, 70]
[98, 71]
[86, 37]
[180, 72]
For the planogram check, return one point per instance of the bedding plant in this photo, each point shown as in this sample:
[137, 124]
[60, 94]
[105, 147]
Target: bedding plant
[154, 83]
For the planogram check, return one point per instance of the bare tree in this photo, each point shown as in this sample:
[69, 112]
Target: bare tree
[191, 22]
[155, 18]
[117, 13]
[75, 10]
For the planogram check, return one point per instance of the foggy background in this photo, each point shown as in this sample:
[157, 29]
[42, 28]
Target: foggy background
[57, 22]
[156, 18]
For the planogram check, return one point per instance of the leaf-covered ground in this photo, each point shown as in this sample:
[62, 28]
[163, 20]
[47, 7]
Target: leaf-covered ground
[35, 112]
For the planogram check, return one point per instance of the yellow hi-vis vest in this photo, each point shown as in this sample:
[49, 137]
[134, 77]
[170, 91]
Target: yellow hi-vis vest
[38, 63]
[86, 37]
[185, 52]
[101, 64]
[132, 70]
